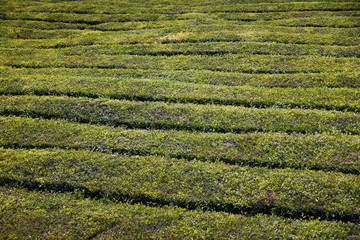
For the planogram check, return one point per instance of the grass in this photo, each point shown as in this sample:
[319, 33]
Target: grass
[179, 120]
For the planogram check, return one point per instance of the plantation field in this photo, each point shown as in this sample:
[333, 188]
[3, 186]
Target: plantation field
[153, 119]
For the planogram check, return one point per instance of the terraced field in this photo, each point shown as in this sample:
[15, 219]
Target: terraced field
[184, 119]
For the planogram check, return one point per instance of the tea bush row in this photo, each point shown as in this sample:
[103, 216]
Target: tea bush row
[295, 80]
[160, 115]
[207, 48]
[173, 91]
[319, 21]
[229, 62]
[193, 184]
[32, 37]
[89, 19]
[330, 152]
[338, 19]
[65, 216]
[288, 18]
[111, 7]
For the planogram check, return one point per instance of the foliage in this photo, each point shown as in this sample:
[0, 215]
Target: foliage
[174, 91]
[64, 216]
[161, 115]
[193, 184]
[186, 119]
[332, 152]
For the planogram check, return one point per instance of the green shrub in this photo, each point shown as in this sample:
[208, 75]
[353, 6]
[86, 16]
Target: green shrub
[159, 115]
[331, 152]
[63, 216]
[130, 97]
[189, 184]
[37, 77]
[173, 91]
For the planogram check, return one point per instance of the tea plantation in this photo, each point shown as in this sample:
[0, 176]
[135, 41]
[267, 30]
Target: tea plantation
[154, 119]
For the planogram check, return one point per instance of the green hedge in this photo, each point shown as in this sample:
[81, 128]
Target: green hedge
[346, 19]
[181, 116]
[39, 25]
[228, 62]
[295, 80]
[194, 27]
[328, 152]
[90, 19]
[111, 7]
[207, 48]
[166, 90]
[193, 184]
[290, 17]
[320, 21]
[18, 37]
[63, 216]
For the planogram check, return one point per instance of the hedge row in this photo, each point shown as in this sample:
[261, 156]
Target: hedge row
[89, 19]
[111, 7]
[196, 24]
[19, 37]
[38, 25]
[320, 21]
[328, 152]
[47, 215]
[337, 19]
[201, 30]
[194, 184]
[229, 62]
[208, 48]
[160, 115]
[244, 6]
[296, 80]
[212, 48]
[272, 18]
[166, 90]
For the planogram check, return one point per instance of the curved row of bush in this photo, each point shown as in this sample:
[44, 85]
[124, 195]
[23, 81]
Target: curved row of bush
[288, 18]
[338, 19]
[212, 48]
[48, 215]
[32, 37]
[295, 80]
[166, 90]
[160, 115]
[57, 19]
[229, 62]
[319, 21]
[207, 48]
[194, 184]
[199, 28]
[188, 7]
[328, 152]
